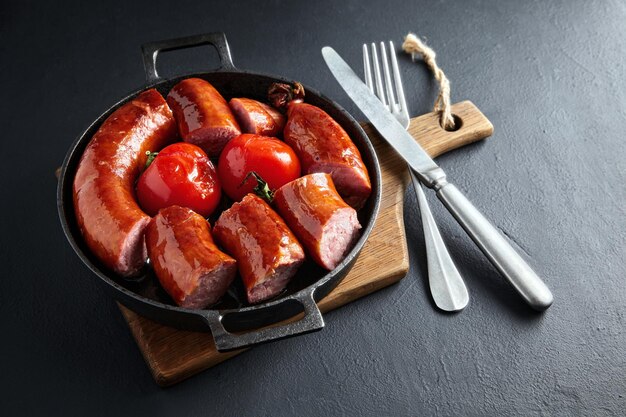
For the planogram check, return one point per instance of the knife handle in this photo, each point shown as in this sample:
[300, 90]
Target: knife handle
[496, 248]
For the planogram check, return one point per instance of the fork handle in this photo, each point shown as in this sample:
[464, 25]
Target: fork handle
[496, 248]
[446, 285]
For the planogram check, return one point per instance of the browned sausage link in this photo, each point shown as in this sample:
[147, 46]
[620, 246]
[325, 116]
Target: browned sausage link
[193, 271]
[323, 223]
[267, 252]
[322, 145]
[203, 116]
[256, 117]
[108, 216]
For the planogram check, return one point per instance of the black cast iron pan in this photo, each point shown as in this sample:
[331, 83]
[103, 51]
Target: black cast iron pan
[232, 322]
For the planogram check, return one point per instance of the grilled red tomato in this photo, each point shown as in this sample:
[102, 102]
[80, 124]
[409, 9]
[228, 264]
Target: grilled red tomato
[270, 158]
[181, 174]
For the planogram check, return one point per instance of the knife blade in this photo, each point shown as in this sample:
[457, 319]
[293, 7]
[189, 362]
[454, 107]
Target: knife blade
[386, 124]
[491, 242]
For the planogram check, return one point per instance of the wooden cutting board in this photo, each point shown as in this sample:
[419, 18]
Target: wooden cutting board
[174, 355]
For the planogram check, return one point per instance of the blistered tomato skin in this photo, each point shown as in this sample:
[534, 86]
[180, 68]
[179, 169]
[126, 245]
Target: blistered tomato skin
[183, 175]
[272, 159]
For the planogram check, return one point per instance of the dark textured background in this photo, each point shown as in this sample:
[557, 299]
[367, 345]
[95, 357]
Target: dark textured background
[549, 75]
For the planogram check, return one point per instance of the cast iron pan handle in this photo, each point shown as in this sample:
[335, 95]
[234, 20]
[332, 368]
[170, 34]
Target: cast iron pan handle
[151, 50]
[225, 341]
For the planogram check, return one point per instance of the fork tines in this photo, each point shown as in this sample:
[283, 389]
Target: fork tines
[387, 97]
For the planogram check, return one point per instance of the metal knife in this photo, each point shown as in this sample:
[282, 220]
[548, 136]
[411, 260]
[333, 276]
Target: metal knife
[495, 247]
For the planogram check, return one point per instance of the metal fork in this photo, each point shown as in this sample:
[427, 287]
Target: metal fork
[446, 285]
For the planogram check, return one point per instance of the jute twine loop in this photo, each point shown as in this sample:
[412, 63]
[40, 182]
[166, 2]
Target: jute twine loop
[413, 45]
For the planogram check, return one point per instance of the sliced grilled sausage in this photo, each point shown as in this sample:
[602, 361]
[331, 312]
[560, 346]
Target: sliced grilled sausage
[193, 271]
[108, 216]
[322, 145]
[268, 254]
[203, 115]
[256, 117]
[324, 224]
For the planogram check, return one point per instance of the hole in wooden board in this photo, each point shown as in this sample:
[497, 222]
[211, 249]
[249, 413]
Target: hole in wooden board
[458, 123]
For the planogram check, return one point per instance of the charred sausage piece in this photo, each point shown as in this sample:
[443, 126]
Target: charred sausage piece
[203, 115]
[268, 254]
[107, 213]
[193, 271]
[323, 146]
[326, 226]
[256, 117]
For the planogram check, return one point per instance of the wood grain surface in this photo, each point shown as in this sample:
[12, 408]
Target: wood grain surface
[174, 355]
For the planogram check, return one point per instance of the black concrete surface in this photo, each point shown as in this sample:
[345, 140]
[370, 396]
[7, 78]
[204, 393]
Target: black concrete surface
[549, 75]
